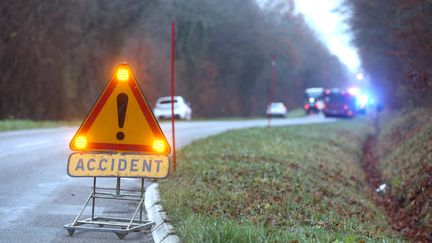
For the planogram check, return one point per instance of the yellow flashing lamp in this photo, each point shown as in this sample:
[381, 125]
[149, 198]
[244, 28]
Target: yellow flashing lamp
[158, 146]
[80, 142]
[122, 74]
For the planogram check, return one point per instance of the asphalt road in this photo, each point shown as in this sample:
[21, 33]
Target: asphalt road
[37, 197]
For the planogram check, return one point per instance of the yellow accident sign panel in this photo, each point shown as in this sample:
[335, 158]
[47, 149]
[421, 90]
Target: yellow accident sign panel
[121, 120]
[118, 165]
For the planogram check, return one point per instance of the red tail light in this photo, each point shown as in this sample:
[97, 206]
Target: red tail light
[306, 106]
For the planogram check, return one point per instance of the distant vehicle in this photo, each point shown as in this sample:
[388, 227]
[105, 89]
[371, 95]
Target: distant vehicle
[362, 100]
[182, 109]
[362, 103]
[313, 100]
[277, 109]
[339, 104]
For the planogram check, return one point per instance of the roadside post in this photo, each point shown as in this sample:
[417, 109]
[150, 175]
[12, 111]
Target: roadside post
[174, 156]
[271, 88]
[119, 138]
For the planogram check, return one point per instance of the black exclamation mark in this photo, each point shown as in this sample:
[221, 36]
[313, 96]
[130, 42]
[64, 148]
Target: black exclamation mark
[122, 101]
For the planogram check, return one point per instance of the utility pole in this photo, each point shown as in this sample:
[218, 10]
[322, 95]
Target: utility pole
[271, 89]
[172, 93]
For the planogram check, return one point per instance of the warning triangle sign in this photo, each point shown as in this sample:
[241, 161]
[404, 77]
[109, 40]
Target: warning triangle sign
[121, 120]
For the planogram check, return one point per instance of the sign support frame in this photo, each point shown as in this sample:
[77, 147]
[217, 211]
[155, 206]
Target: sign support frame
[120, 226]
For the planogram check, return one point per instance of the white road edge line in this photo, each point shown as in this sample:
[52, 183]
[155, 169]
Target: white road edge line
[24, 145]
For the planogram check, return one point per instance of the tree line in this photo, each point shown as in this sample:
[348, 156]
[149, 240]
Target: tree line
[56, 56]
[394, 39]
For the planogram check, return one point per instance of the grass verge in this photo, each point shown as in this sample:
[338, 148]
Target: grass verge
[301, 183]
[295, 113]
[9, 124]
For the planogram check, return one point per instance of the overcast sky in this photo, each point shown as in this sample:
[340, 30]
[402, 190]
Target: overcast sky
[330, 26]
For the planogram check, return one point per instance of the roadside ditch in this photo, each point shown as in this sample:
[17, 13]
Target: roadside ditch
[406, 222]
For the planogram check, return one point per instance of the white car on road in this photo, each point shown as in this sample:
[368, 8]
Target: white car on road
[182, 109]
[276, 109]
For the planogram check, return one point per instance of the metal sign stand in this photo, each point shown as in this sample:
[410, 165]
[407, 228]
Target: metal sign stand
[120, 226]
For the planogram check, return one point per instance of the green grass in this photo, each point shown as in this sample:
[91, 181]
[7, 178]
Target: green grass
[294, 113]
[231, 118]
[10, 124]
[281, 184]
[405, 146]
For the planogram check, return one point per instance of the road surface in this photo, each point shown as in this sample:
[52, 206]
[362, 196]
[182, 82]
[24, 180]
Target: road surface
[37, 197]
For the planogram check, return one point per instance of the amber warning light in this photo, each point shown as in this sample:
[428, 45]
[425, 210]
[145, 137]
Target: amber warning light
[158, 146]
[122, 74]
[80, 142]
